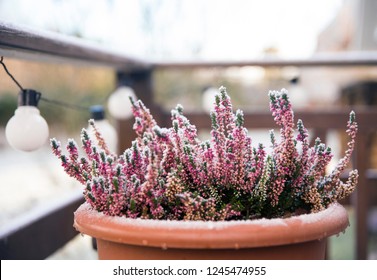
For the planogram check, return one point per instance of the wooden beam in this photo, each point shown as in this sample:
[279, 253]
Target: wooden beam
[348, 59]
[26, 43]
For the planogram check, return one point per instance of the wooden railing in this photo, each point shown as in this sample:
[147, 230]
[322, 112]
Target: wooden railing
[40, 234]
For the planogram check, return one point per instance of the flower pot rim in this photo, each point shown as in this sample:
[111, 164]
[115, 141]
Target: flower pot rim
[212, 234]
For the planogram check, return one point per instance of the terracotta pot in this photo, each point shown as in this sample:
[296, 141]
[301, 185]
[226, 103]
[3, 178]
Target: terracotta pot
[300, 237]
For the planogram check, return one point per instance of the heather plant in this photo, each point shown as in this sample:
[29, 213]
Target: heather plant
[168, 173]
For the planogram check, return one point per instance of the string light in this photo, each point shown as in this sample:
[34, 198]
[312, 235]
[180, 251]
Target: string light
[27, 130]
[119, 104]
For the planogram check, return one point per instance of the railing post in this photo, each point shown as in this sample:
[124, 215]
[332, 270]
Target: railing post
[361, 202]
[141, 82]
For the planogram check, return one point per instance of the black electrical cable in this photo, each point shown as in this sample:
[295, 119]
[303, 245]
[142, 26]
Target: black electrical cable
[10, 75]
[55, 102]
[64, 104]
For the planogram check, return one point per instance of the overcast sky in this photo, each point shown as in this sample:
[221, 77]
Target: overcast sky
[217, 29]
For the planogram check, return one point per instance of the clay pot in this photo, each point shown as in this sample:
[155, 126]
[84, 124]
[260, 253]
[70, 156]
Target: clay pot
[299, 237]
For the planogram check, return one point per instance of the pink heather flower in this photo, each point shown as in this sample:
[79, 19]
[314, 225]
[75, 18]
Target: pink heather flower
[332, 183]
[172, 174]
[285, 153]
[144, 121]
[303, 163]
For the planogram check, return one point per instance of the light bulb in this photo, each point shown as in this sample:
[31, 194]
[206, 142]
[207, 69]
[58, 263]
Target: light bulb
[27, 130]
[107, 131]
[119, 102]
[208, 99]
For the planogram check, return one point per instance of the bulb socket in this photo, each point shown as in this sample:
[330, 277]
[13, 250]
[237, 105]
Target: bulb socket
[29, 97]
[97, 112]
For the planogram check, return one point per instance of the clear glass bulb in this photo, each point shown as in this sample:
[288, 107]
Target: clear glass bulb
[27, 130]
[119, 104]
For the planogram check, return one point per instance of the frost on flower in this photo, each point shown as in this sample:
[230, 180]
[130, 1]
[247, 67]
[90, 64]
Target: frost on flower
[169, 173]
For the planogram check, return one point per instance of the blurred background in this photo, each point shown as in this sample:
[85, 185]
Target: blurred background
[159, 30]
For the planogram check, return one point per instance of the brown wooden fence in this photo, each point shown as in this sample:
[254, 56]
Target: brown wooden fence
[39, 235]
